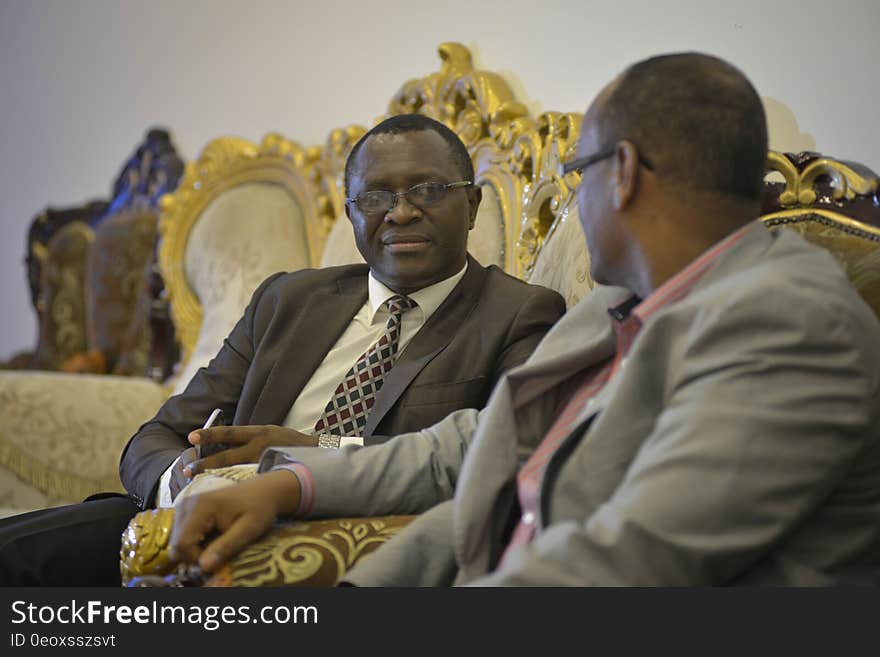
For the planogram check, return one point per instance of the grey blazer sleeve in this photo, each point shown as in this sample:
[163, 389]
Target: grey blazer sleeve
[420, 555]
[758, 433]
[408, 474]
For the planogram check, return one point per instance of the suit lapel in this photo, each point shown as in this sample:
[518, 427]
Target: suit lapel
[318, 326]
[516, 419]
[431, 339]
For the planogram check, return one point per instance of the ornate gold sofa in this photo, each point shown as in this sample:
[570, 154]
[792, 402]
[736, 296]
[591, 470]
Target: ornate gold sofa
[527, 224]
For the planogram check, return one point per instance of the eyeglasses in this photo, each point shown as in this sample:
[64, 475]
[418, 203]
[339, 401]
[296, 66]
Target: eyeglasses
[423, 195]
[582, 163]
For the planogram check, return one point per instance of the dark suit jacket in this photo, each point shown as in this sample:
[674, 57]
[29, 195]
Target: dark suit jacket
[489, 323]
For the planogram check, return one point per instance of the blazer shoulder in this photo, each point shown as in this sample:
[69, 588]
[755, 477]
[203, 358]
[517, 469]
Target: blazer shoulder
[514, 288]
[312, 278]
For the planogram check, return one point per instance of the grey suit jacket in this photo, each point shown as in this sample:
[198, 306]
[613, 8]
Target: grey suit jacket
[737, 444]
[489, 323]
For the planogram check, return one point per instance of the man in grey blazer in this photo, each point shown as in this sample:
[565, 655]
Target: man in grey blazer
[413, 202]
[711, 415]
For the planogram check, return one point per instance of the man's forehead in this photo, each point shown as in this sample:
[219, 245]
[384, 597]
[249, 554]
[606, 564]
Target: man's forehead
[422, 140]
[419, 152]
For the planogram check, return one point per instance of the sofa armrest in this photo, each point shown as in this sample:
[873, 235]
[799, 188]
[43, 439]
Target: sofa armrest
[61, 435]
[295, 553]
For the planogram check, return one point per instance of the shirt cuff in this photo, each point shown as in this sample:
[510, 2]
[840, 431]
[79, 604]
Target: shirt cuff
[306, 486]
[346, 440]
[163, 495]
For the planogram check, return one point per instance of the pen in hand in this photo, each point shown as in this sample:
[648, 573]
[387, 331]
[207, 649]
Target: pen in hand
[208, 424]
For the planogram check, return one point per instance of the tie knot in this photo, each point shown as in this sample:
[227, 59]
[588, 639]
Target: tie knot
[399, 304]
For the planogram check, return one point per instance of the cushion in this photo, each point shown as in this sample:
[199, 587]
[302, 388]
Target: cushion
[63, 434]
[117, 298]
[61, 302]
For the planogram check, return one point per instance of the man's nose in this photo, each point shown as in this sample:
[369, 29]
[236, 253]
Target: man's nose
[402, 212]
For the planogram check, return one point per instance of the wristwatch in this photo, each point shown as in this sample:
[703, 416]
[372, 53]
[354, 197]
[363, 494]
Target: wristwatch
[329, 441]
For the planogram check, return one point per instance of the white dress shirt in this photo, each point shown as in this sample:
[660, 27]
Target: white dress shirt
[365, 328]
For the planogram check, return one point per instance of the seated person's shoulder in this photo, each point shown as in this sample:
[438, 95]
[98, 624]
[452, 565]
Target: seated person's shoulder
[282, 283]
[504, 288]
[802, 294]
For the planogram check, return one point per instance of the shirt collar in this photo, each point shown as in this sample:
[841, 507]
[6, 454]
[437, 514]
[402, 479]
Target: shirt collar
[630, 315]
[677, 287]
[428, 298]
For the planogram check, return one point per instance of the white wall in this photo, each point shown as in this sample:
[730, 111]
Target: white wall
[80, 82]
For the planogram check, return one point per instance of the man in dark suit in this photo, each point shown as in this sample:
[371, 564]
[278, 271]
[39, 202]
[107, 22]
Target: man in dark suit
[434, 330]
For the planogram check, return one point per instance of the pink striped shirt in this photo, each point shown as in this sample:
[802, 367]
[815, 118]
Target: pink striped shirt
[627, 320]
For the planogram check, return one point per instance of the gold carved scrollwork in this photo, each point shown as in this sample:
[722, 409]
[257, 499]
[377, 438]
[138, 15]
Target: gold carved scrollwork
[144, 548]
[846, 181]
[331, 173]
[537, 156]
[855, 244]
[496, 128]
[223, 164]
[476, 104]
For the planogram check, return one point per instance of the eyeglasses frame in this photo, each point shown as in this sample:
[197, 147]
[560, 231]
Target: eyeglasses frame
[581, 164]
[396, 195]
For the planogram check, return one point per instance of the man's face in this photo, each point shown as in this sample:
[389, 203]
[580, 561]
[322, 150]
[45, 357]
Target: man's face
[409, 248]
[595, 207]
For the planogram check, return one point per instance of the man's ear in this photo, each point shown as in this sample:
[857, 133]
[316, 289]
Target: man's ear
[626, 173]
[475, 195]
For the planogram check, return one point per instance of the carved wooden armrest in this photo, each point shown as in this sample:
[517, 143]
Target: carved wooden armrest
[298, 553]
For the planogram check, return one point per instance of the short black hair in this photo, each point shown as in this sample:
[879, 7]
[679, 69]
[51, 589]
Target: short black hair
[401, 123]
[697, 118]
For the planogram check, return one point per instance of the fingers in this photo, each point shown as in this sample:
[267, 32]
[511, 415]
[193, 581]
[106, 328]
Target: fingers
[241, 513]
[193, 520]
[242, 532]
[244, 454]
[237, 435]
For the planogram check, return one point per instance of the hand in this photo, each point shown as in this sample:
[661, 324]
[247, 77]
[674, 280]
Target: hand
[179, 474]
[244, 444]
[240, 513]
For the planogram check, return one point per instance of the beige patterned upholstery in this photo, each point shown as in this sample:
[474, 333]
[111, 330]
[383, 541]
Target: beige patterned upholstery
[563, 263]
[244, 235]
[486, 239]
[61, 435]
[340, 248]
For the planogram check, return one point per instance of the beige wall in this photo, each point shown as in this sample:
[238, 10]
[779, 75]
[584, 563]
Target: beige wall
[81, 81]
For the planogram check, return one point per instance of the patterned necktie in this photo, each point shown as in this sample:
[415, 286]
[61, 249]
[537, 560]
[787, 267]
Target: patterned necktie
[346, 412]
